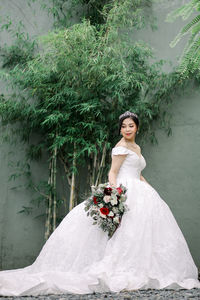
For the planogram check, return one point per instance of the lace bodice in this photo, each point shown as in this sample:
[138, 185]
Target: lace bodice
[132, 165]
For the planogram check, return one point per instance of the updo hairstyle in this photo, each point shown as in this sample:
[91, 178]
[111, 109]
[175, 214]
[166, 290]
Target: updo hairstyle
[125, 115]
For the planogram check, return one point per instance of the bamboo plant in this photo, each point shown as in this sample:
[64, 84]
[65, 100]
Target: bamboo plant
[72, 92]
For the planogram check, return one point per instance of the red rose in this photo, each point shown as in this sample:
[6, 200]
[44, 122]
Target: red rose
[95, 200]
[119, 190]
[104, 210]
[108, 191]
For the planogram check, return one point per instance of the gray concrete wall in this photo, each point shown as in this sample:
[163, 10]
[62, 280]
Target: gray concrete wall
[21, 236]
[172, 166]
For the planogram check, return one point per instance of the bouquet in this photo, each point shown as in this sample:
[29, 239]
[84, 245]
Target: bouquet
[106, 206]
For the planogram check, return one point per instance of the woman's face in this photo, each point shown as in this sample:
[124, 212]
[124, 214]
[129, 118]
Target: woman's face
[128, 129]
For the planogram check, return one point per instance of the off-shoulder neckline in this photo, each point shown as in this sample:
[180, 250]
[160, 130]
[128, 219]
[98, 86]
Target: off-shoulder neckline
[129, 150]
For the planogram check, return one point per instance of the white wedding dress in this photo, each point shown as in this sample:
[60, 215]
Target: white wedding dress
[148, 250]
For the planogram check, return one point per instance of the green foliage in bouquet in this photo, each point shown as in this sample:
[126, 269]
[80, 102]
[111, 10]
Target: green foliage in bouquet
[106, 206]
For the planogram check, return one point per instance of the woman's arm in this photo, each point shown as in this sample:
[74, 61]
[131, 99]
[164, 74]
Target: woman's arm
[117, 161]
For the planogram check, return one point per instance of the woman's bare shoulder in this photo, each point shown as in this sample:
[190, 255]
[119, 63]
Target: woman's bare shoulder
[123, 144]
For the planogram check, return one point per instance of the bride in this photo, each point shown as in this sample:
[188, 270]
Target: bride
[148, 250]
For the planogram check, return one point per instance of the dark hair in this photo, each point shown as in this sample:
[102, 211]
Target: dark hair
[126, 115]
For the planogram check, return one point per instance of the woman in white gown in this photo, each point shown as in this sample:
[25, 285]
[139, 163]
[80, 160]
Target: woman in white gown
[148, 250]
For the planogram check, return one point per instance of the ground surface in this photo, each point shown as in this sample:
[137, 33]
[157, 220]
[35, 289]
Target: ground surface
[139, 294]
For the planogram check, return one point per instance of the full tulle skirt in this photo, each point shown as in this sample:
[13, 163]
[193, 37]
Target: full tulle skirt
[148, 250]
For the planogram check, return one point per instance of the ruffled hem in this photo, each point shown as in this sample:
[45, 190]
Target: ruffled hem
[46, 283]
[129, 282]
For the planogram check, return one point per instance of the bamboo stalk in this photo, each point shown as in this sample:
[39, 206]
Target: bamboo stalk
[77, 190]
[89, 171]
[48, 210]
[54, 188]
[41, 193]
[94, 168]
[62, 160]
[61, 157]
[72, 192]
[101, 165]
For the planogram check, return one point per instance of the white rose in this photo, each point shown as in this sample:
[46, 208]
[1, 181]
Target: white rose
[100, 205]
[116, 219]
[102, 185]
[114, 200]
[93, 188]
[111, 214]
[106, 199]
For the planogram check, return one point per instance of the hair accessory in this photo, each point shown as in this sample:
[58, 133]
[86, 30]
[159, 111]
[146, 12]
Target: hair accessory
[128, 114]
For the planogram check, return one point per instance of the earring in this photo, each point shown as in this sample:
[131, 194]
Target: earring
[137, 132]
